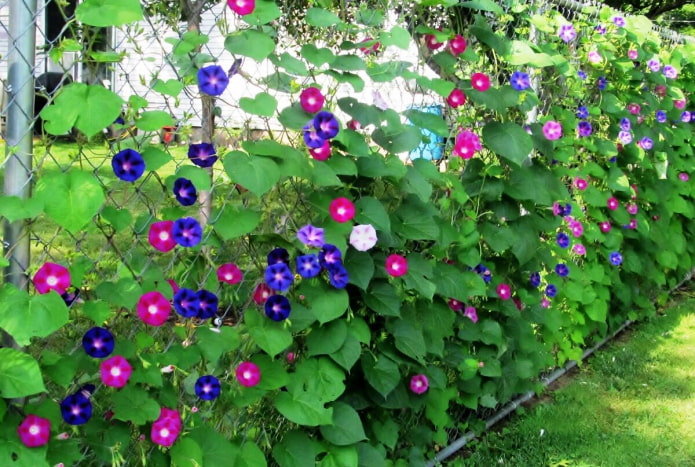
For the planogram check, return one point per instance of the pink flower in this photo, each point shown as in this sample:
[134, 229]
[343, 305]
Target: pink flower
[633, 108]
[466, 145]
[579, 249]
[115, 371]
[576, 228]
[605, 226]
[480, 82]
[471, 313]
[248, 374]
[229, 273]
[679, 104]
[457, 45]
[170, 416]
[153, 308]
[612, 203]
[52, 276]
[580, 183]
[164, 433]
[261, 294]
[504, 291]
[632, 224]
[660, 90]
[545, 303]
[552, 130]
[34, 431]
[353, 124]
[632, 54]
[341, 210]
[291, 357]
[455, 305]
[432, 43]
[396, 265]
[161, 237]
[594, 57]
[311, 100]
[419, 384]
[322, 153]
[632, 208]
[373, 49]
[363, 237]
[242, 7]
[683, 177]
[456, 98]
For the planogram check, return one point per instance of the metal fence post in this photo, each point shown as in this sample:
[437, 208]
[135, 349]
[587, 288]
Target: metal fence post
[18, 138]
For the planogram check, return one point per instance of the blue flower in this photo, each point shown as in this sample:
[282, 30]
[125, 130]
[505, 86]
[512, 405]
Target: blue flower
[185, 191]
[207, 304]
[582, 112]
[329, 255]
[98, 342]
[312, 138]
[326, 125]
[625, 124]
[601, 83]
[563, 240]
[562, 270]
[187, 232]
[207, 387]
[338, 276]
[278, 255]
[535, 279]
[202, 154]
[582, 75]
[277, 307]
[278, 276]
[520, 81]
[308, 266]
[483, 272]
[76, 409]
[646, 143]
[212, 80]
[128, 165]
[660, 116]
[550, 290]
[615, 258]
[186, 303]
[584, 129]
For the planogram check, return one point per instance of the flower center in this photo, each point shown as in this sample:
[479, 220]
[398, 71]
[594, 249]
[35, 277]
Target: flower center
[115, 372]
[34, 430]
[52, 280]
[164, 236]
[247, 375]
[164, 433]
[152, 309]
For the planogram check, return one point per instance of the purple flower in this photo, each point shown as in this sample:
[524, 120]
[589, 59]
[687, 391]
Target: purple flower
[601, 29]
[625, 137]
[535, 279]
[567, 33]
[185, 192]
[660, 116]
[202, 154]
[625, 124]
[278, 276]
[308, 266]
[483, 272]
[278, 255]
[212, 80]
[207, 304]
[234, 69]
[76, 409]
[207, 387]
[277, 307]
[563, 240]
[601, 83]
[338, 276]
[187, 232]
[329, 255]
[686, 116]
[98, 342]
[128, 165]
[582, 112]
[619, 21]
[550, 290]
[615, 258]
[582, 75]
[654, 65]
[326, 125]
[646, 143]
[311, 236]
[312, 138]
[584, 129]
[471, 313]
[520, 81]
[670, 72]
[186, 303]
[562, 270]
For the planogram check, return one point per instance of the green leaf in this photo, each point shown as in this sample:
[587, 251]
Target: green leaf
[303, 408]
[409, 339]
[371, 211]
[326, 305]
[352, 79]
[154, 120]
[105, 13]
[294, 117]
[348, 354]
[14, 208]
[24, 316]
[429, 121]
[382, 374]
[20, 375]
[263, 104]
[89, 108]
[348, 63]
[197, 175]
[186, 453]
[327, 339]
[264, 12]
[232, 223]
[386, 432]
[272, 337]
[295, 450]
[483, 5]
[383, 299]
[398, 36]
[216, 449]
[250, 43]
[360, 267]
[317, 56]
[70, 199]
[291, 64]
[251, 456]
[155, 158]
[97, 311]
[346, 428]
[120, 219]
[133, 404]
[170, 87]
[320, 18]
[508, 140]
[257, 174]
[214, 343]
[403, 139]
[597, 311]
[124, 293]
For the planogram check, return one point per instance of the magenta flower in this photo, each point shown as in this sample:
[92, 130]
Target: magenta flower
[632, 208]
[212, 80]
[455, 305]
[456, 98]
[567, 33]
[683, 177]
[242, 7]
[579, 249]
[229, 273]
[34, 431]
[679, 103]
[576, 228]
[164, 433]
[202, 154]
[248, 374]
[396, 265]
[363, 237]
[311, 236]
[419, 384]
[115, 371]
[552, 130]
[634, 109]
[341, 210]
[457, 45]
[432, 43]
[612, 203]
[632, 54]
[52, 276]
[261, 293]
[605, 226]
[311, 99]
[471, 313]
[370, 46]
[322, 153]
[153, 308]
[466, 145]
[545, 303]
[580, 183]
[480, 82]
[504, 291]
[187, 232]
[160, 236]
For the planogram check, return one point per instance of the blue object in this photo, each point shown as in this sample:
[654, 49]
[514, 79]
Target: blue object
[432, 145]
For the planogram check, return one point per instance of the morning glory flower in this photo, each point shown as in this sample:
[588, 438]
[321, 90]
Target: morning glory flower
[520, 81]
[278, 276]
[185, 192]
[615, 258]
[277, 307]
[76, 409]
[98, 342]
[326, 125]
[128, 165]
[311, 236]
[187, 232]
[202, 154]
[207, 387]
[212, 80]
[308, 266]
[567, 33]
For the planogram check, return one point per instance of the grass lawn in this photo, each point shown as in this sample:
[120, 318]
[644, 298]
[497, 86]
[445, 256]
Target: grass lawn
[631, 404]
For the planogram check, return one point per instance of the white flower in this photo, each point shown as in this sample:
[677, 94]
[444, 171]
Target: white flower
[363, 237]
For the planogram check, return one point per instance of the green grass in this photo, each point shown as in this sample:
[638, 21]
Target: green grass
[632, 404]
